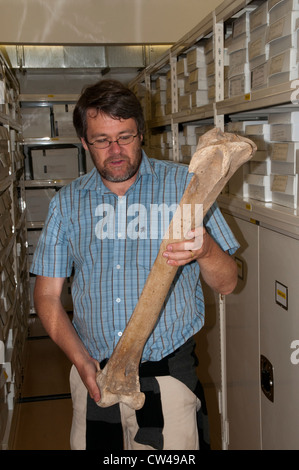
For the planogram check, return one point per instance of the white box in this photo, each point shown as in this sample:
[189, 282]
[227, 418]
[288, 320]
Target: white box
[284, 62]
[237, 184]
[181, 68]
[257, 45]
[241, 25]
[258, 129]
[238, 43]
[239, 85]
[259, 17]
[287, 152]
[239, 69]
[161, 83]
[278, 9]
[284, 43]
[259, 187]
[36, 122]
[196, 58]
[37, 203]
[198, 79]
[60, 163]
[288, 117]
[283, 26]
[283, 168]
[283, 77]
[284, 132]
[285, 190]
[259, 76]
[199, 98]
[260, 167]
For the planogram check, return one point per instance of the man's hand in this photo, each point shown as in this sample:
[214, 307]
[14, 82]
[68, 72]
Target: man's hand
[88, 371]
[195, 247]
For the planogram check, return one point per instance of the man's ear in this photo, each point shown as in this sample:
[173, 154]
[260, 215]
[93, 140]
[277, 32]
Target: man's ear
[83, 142]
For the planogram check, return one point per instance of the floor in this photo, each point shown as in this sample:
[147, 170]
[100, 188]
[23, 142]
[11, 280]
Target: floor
[44, 411]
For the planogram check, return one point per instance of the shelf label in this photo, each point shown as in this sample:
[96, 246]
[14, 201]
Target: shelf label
[248, 206]
[281, 295]
[247, 97]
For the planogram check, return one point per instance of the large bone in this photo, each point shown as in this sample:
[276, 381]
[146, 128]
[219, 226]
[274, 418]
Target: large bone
[217, 157]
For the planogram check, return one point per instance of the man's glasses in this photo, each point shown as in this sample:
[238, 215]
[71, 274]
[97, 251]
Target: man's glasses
[105, 143]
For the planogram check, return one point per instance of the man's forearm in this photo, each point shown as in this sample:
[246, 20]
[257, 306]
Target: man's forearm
[218, 269]
[59, 327]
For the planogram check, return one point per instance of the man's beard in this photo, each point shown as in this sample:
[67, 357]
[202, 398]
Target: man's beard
[109, 175]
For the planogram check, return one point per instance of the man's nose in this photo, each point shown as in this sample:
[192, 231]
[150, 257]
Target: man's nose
[114, 146]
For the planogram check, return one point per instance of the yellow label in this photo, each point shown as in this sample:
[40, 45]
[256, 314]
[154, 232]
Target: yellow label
[247, 97]
[281, 294]
[248, 206]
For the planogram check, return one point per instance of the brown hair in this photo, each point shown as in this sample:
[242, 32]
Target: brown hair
[112, 98]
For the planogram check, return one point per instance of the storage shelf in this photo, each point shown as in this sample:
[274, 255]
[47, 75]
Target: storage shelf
[268, 214]
[49, 183]
[51, 98]
[51, 141]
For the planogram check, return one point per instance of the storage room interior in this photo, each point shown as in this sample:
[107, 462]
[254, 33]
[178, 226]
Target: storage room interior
[232, 64]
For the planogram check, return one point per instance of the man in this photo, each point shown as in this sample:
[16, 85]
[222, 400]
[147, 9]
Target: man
[87, 229]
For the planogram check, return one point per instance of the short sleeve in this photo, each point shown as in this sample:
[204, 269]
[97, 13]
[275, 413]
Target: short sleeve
[52, 255]
[219, 230]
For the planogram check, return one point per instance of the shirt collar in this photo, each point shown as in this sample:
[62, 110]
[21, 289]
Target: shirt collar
[93, 180]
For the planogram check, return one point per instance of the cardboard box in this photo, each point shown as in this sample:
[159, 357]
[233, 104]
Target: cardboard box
[259, 187]
[241, 25]
[278, 9]
[284, 62]
[259, 76]
[283, 26]
[259, 17]
[239, 85]
[237, 184]
[37, 203]
[196, 58]
[36, 122]
[57, 163]
[285, 190]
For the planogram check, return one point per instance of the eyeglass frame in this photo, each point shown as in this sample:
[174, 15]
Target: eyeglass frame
[113, 141]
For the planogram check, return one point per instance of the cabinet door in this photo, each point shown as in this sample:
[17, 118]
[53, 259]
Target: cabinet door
[279, 288]
[242, 342]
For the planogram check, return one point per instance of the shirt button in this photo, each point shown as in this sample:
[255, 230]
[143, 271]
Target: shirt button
[118, 266]
[119, 235]
[118, 300]
[119, 333]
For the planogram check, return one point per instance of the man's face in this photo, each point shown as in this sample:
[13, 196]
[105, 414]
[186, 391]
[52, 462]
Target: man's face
[116, 163]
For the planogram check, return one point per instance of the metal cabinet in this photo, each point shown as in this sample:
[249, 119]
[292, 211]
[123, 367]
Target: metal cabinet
[279, 330]
[242, 341]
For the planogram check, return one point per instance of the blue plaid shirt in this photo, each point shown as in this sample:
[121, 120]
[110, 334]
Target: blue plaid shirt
[87, 229]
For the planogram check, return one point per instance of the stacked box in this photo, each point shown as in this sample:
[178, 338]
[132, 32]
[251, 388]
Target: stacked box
[238, 72]
[161, 145]
[7, 295]
[63, 120]
[159, 97]
[285, 190]
[190, 143]
[284, 158]
[5, 219]
[36, 122]
[5, 156]
[258, 178]
[284, 127]
[258, 49]
[198, 80]
[3, 402]
[37, 203]
[282, 40]
[59, 163]
[284, 135]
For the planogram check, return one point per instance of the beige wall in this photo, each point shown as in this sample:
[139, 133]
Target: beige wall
[99, 21]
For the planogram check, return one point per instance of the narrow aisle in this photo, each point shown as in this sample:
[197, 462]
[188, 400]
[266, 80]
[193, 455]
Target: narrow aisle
[44, 411]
